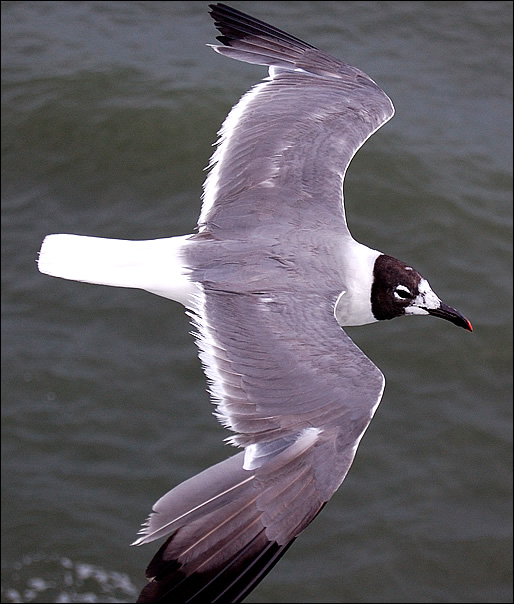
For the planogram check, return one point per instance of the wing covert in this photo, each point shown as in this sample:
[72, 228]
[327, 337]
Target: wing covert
[280, 366]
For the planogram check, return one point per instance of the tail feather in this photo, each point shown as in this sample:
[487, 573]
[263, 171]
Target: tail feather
[156, 266]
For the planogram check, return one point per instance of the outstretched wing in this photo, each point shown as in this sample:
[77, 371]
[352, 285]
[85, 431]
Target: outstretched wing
[278, 365]
[291, 385]
[298, 395]
[285, 147]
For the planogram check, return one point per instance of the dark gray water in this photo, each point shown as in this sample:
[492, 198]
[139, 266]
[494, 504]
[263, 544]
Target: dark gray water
[109, 110]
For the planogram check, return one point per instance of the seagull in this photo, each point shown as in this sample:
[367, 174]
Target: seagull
[270, 278]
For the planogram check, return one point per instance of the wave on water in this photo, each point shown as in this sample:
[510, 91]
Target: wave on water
[42, 578]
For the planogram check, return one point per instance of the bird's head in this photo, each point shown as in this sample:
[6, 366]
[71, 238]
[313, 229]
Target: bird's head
[398, 290]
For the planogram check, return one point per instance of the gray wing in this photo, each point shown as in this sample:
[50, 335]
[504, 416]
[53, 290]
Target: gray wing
[299, 395]
[285, 147]
[285, 378]
[282, 371]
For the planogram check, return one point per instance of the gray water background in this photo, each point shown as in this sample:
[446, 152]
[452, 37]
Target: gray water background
[109, 111]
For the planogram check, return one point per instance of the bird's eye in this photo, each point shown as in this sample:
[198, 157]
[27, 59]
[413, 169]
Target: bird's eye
[402, 293]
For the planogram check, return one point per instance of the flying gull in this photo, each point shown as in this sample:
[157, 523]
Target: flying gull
[270, 278]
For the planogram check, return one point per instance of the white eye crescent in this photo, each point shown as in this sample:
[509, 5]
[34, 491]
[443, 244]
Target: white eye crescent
[402, 293]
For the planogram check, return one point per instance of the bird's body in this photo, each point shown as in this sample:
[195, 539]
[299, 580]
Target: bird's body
[269, 278]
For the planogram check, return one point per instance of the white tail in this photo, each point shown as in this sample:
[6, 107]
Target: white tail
[156, 265]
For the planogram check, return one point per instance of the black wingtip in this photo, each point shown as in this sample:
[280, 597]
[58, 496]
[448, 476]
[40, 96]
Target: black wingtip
[236, 25]
[230, 583]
